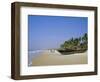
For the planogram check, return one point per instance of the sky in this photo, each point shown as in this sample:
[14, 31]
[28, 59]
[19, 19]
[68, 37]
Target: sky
[47, 32]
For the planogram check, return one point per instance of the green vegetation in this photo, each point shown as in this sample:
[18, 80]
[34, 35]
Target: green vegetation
[75, 44]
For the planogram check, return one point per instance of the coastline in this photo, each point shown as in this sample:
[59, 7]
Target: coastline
[55, 58]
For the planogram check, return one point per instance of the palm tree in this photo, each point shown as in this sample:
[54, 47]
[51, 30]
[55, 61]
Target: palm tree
[84, 38]
[76, 43]
[65, 45]
[84, 41]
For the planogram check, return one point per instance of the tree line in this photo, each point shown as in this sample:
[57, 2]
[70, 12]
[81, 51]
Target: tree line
[79, 43]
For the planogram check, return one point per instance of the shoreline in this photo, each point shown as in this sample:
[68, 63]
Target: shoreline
[48, 58]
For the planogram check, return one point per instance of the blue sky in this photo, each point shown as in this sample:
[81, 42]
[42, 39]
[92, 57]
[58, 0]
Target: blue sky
[46, 32]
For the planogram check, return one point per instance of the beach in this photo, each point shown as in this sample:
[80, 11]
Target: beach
[55, 58]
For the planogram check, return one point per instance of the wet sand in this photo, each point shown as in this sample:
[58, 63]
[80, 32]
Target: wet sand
[56, 58]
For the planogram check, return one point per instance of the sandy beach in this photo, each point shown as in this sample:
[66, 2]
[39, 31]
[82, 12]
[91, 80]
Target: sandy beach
[56, 58]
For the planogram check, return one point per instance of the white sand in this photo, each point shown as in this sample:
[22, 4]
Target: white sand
[55, 58]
